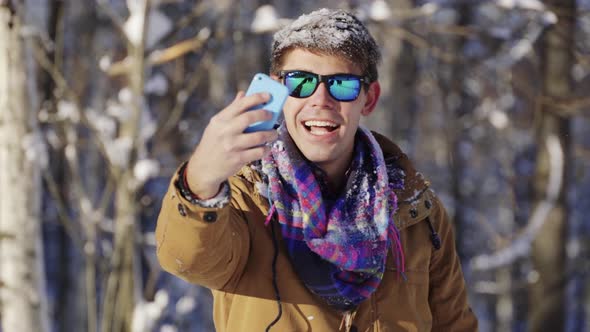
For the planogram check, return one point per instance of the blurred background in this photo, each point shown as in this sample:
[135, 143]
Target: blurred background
[101, 100]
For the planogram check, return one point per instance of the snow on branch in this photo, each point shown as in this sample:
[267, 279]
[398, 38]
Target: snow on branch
[379, 11]
[266, 19]
[35, 149]
[520, 247]
[524, 4]
[157, 24]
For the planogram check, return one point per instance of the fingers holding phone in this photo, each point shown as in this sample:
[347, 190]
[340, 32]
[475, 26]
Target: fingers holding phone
[236, 135]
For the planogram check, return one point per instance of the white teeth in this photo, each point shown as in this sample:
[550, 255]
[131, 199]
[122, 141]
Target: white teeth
[313, 123]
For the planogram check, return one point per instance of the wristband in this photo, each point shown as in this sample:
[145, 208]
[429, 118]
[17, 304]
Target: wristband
[220, 199]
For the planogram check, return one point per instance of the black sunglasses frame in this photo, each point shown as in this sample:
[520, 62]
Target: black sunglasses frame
[325, 79]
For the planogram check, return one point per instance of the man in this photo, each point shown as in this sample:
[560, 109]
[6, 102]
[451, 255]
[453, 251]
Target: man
[327, 228]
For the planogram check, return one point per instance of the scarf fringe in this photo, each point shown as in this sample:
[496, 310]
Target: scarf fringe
[271, 211]
[397, 250]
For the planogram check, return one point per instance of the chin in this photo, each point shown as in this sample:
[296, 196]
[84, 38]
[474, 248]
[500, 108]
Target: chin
[317, 155]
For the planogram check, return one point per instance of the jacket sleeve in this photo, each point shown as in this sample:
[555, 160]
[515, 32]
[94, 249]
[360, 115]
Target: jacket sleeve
[447, 293]
[205, 246]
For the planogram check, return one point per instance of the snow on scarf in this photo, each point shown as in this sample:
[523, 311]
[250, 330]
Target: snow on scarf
[338, 248]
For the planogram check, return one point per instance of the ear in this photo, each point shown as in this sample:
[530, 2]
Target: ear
[373, 93]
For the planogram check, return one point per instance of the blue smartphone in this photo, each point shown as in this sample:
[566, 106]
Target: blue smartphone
[278, 93]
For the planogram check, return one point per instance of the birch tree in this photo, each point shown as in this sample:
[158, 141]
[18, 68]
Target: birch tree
[21, 270]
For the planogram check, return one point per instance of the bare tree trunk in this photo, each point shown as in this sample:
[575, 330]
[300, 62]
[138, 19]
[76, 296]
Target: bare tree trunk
[398, 83]
[459, 103]
[547, 305]
[123, 284]
[21, 269]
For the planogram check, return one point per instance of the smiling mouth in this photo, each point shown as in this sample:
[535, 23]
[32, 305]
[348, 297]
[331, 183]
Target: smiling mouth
[320, 127]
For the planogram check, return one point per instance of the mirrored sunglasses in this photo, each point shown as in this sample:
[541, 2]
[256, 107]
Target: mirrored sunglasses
[342, 87]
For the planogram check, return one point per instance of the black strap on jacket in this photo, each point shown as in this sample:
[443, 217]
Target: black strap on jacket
[436, 242]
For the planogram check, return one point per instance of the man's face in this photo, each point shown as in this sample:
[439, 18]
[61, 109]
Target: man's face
[322, 127]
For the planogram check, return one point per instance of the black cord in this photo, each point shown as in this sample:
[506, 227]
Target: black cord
[436, 242]
[274, 277]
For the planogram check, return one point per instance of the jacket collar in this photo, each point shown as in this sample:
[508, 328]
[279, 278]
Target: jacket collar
[415, 200]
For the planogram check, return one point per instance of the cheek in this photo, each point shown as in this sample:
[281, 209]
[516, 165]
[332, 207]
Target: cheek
[352, 116]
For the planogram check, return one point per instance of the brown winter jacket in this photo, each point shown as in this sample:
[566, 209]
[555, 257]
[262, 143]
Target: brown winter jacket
[230, 251]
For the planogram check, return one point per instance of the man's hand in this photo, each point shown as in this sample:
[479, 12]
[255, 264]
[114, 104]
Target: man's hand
[225, 148]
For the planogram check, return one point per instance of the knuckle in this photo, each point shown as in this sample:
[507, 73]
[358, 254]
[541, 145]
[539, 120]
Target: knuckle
[226, 145]
[235, 160]
[214, 120]
[242, 159]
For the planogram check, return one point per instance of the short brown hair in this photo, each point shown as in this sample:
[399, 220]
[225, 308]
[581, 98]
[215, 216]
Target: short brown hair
[328, 31]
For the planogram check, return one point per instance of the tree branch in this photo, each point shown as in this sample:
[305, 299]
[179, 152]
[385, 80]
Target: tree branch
[520, 246]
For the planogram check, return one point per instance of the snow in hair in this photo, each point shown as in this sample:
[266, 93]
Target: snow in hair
[330, 31]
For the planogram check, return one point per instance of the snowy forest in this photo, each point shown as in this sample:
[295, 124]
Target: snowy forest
[101, 100]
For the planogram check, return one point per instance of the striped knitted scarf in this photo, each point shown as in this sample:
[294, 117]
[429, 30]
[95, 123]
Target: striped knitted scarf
[337, 246]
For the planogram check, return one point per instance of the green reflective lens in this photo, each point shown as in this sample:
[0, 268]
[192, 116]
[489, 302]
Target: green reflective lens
[300, 84]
